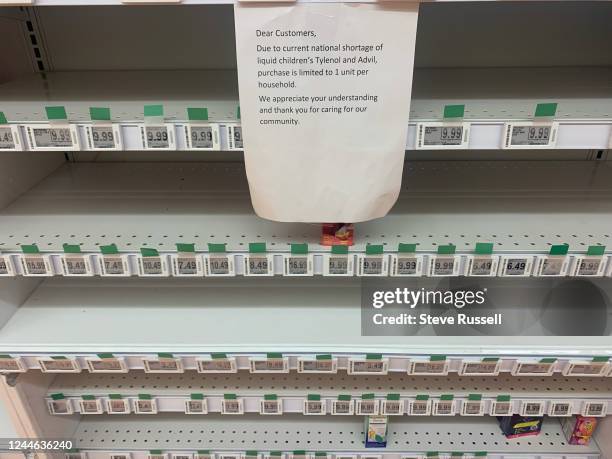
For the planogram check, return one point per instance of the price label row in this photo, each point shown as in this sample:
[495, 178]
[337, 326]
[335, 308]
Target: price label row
[271, 405]
[269, 264]
[277, 455]
[221, 363]
[108, 137]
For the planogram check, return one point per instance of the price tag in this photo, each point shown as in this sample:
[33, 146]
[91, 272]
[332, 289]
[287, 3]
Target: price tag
[202, 136]
[406, 264]
[313, 405]
[107, 365]
[444, 407]
[482, 266]
[373, 265]
[234, 137]
[103, 137]
[74, 264]
[269, 365]
[597, 409]
[338, 265]
[270, 406]
[163, 365]
[343, 406]
[516, 266]
[444, 265]
[10, 140]
[369, 406]
[90, 406]
[559, 409]
[542, 368]
[153, 266]
[589, 266]
[181, 456]
[368, 366]
[428, 367]
[486, 367]
[52, 137]
[157, 136]
[6, 266]
[532, 408]
[114, 266]
[530, 135]
[259, 264]
[232, 406]
[121, 456]
[187, 265]
[346, 456]
[145, 406]
[473, 406]
[552, 266]
[391, 407]
[205, 455]
[58, 365]
[595, 368]
[502, 406]
[217, 365]
[10, 364]
[61, 406]
[218, 264]
[420, 407]
[156, 455]
[298, 265]
[196, 406]
[34, 265]
[443, 136]
[327, 364]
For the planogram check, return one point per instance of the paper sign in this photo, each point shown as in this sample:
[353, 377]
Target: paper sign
[334, 99]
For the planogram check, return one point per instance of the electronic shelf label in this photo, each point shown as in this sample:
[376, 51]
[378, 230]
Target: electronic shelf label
[34, 263]
[217, 363]
[163, 363]
[420, 406]
[152, 264]
[596, 367]
[339, 262]
[374, 263]
[502, 406]
[232, 404]
[58, 364]
[271, 405]
[543, 367]
[10, 138]
[555, 264]
[314, 406]
[482, 263]
[537, 134]
[367, 405]
[145, 404]
[217, 263]
[596, 409]
[6, 266]
[323, 363]
[392, 405]
[516, 265]
[299, 262]
[473, 406]
[406, 262]
[59, 405]
[559, 408]
[89, 404]
[199, 133]
[186, 263]
[74, 263]
[273, 363]
[196, 404]
[532, 408]
[106, 363]
[444, 406]
[444, 263]
[436, 365]
[9, 364]
[373, 364]
[257, 262]
[451, 134]
[489, 366]
[344, 405]
[593, 264]
[112, 263]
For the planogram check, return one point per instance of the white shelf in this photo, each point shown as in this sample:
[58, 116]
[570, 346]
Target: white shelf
[491, 98]
[521, 207]
[101, 434]
[137, 317]
[172, 391]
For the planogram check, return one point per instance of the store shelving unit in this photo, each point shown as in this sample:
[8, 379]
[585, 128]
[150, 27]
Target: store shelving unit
[167, 338]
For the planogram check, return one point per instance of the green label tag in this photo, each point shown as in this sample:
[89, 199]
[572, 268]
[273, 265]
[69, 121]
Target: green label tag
[406, 248]
[72, 248]
[560, 249]
[475, 397]
[257, 247]
[437, 358]
[197, 114]
[274, 355]
[185, 248]
[197, 396]
[484, 248]
[446, 249]
[372, 249]
[109, 249]
[323, 357]
[503, 398]
[216, 248]
[299, 249]
[56, 113]
[373, 356]
[3, 118]
[270, 397]
[546, 110]
[454, 111]
[144, 396]
[100, 113]
[339, 249]
[30, 249]
[149, 252]
[313, 397]
[596, 250]
[153, 110]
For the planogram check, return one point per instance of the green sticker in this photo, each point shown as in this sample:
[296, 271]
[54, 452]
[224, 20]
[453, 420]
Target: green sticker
[218, 355]
[344, 398]
[323, 357]
[155, 451]
[422, 398]
[393, 396]
[56, 113]
[148, 252]
[484, 248]
[548, 360]
[115, 396]
[480, 454]
[601, 358]
[153, 110]
[474, 397]
[100, 113]
[57, 396]
[437, 358]
[71, 248]
[229, 396]
[596, 250]
[299, 249]
[270, 397]
[257, 247]
[314, 397]
[30, 249]
[251, 453]
[109, 249]
[560, 249]
[491, 359]
[447, 397]
[503, 398]
[216, 248]
[105, 355]
[406, 248]
[367, 396]
[547, 110]
[274, 355]
[144, 396]
[3, 118]
[454, 111]
[165, 355]
[446, 249]
[197, 396]
[185, 248]
[372, 249]
[197, 114]
[320, 454]
[373, 356]
[339, 249]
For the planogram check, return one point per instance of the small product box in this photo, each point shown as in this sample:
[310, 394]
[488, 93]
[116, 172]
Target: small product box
[520, 426]
[337, 234]
[376, 431]
[579, 429]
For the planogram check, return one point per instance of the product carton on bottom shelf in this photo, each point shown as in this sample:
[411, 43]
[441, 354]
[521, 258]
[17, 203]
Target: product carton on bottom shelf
[376, 431]
[579, 429]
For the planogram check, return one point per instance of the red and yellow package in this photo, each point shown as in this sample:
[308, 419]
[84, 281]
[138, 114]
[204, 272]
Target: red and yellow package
[337, 234]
